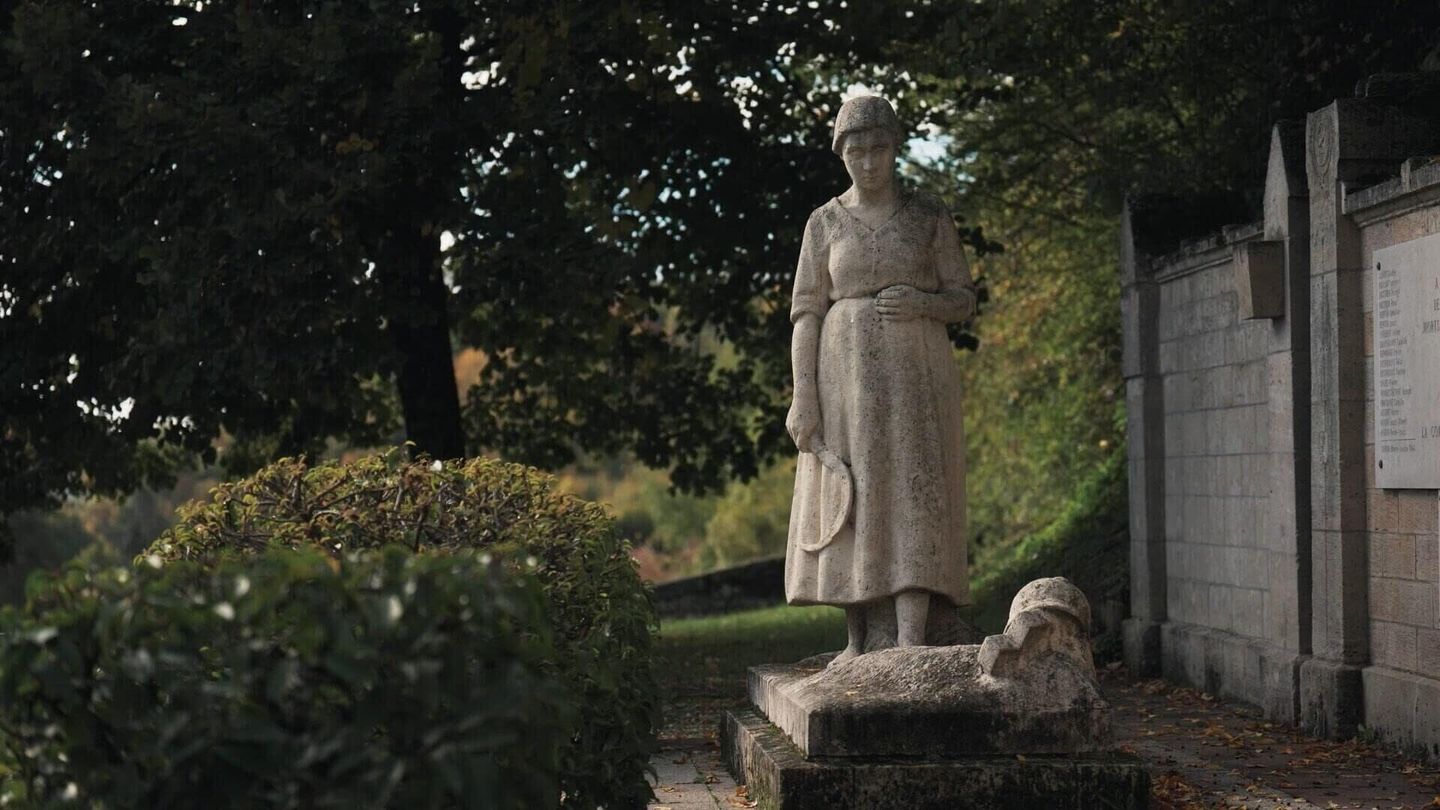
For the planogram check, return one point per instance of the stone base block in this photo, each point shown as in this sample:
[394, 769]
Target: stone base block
[1142, 647]
[1403, 708]
[779, 777]
[1281, 670]
[1231, 666]
[932, 702]
[1332, 698]
[1216, 661]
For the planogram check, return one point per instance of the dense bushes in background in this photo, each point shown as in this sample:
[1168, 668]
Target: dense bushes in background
[52, 539]
[599, 609]
[289, 681]
[1088, 542]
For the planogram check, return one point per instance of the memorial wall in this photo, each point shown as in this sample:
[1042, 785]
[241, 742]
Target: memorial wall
[1283, 392]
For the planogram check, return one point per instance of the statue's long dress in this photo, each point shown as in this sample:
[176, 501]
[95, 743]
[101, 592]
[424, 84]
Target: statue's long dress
[889, 407]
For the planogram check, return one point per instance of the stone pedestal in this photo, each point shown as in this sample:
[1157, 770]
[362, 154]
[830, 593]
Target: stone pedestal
[1016, 721]
[779, 777]
[926, 727]
[929, 703]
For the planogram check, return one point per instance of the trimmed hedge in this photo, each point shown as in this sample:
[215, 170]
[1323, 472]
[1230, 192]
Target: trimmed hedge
[600, 610]
[287, 681]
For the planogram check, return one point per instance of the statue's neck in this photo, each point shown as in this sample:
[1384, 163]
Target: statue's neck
[883, 198]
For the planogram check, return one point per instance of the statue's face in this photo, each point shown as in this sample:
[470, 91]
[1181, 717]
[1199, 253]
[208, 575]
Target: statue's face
[869, 157]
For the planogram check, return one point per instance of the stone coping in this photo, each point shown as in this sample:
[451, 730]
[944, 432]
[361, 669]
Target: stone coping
[1417, 186]
[1199, 254]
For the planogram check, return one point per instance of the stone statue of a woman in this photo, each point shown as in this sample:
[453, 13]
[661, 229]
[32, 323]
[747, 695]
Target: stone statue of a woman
[879, 509]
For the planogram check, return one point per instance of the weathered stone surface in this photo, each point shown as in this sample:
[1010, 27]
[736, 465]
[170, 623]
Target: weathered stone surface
[1271, 560]
[1332, 698]
[879, 506]
[946, 624]
[779, 777]
[932, 702]
[1260, 279]
[1028, 637]
[1048, 617]
[1142, 647]
[1144, 358]
[1214, 661]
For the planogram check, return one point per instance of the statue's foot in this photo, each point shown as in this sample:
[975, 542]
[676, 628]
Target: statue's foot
[845, 655]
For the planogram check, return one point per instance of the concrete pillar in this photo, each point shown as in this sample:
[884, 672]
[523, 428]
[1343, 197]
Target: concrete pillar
[1145, 429]
[1349, 141]
[1287, 623]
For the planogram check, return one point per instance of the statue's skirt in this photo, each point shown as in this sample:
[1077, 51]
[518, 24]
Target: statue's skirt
[890, 407]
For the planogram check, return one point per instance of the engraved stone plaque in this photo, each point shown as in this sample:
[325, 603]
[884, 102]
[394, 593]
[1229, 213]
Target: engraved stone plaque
[1407, 365]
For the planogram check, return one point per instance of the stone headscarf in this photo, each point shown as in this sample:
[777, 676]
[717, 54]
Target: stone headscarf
[865, 112]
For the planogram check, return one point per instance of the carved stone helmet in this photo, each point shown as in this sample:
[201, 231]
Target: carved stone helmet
[865, 112]
[1053, 593]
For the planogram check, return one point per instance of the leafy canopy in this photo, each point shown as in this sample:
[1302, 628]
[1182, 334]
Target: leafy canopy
[271, 222]
[274, 222]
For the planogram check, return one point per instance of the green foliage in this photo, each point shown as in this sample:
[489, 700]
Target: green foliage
[1118, 96]
[289, 680]
[1088, 542]
[680, 534]
[200, 196]
[751, 520]
[600, 610]
[661, 518]
[1052, 112]
[49, 540]
[1044, 397]
[100, 529]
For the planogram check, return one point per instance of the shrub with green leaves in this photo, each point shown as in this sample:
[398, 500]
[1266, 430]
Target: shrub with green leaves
[287, 681]
[601, 612]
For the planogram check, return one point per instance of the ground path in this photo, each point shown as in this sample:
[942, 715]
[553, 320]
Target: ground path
[1202, 753]
[1207, 753]
[690, 776]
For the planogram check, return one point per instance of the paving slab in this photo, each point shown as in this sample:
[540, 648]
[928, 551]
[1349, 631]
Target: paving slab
[689, 775]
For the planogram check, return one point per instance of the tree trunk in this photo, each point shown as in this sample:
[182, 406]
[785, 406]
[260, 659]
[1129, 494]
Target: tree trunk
[415, 290]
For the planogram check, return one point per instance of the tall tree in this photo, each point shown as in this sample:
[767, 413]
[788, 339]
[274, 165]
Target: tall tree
[1073, 106]
[272, 220]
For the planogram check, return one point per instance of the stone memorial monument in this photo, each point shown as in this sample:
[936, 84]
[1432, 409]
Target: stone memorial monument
[912, 713]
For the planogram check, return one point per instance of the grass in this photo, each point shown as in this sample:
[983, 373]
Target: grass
[701, 662]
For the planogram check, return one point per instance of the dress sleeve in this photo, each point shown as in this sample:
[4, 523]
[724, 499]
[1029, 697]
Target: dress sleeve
[950, 264]
[812, 274]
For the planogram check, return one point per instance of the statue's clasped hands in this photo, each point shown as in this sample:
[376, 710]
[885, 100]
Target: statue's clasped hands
[901, 302]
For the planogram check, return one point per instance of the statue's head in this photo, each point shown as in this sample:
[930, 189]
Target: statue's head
[868, 137]
[1053, 594]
